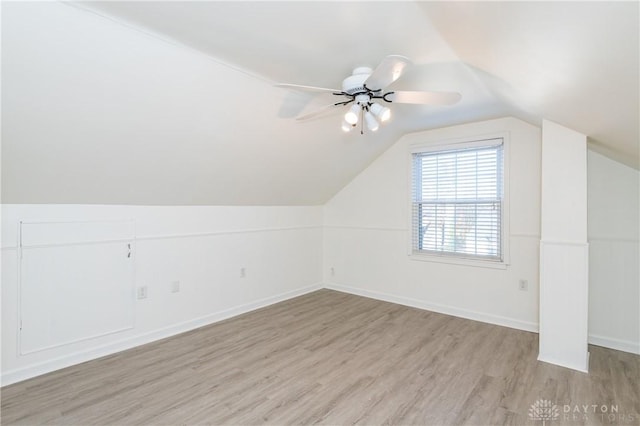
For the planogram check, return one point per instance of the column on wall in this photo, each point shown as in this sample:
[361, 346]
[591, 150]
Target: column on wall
[564, 251]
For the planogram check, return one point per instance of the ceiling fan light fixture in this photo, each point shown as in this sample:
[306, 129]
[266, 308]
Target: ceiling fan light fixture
[351, 116]
[381, 112]
[366, 90]
[372, 123]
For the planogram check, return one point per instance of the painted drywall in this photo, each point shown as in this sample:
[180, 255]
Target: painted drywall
[614, 253]
[366, 235]
[97, 112]
[529, 60]
[366, 238]
[564, 252]
[564, 188]
[202, 247]
[554, 59]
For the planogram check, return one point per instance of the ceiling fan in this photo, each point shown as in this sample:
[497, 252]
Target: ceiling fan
[363, 91]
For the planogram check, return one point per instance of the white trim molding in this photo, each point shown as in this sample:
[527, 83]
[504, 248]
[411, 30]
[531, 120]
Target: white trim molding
[421, 146]
[439, 308]
[563, 342]
[17, 375]
[617, 344]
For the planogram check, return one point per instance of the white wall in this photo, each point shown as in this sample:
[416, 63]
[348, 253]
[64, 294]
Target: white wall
[365, 242]
[367, 231]
[614, 254]
[202, 247]
[96, 112]
[564, 252]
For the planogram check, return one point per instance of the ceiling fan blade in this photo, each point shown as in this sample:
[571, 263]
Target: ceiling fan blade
[320, 111]
[427, 98]
[307, 88]
[389, 70]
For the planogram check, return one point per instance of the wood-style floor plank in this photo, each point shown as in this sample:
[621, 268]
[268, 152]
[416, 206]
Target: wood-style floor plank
[329, 358]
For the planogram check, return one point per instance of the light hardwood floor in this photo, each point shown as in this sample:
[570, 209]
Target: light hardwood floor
[330, 358]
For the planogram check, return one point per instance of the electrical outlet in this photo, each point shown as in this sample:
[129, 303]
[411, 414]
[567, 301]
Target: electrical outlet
[243, 272]
[142, 292]
[523, 285]
[175, 286]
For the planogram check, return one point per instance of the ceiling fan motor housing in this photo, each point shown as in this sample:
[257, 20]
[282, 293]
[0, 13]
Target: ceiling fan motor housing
[355, 82]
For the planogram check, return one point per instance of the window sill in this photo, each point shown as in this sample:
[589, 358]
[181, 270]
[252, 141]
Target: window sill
[461, 261]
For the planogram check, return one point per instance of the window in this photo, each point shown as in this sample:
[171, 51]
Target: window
[457, 200]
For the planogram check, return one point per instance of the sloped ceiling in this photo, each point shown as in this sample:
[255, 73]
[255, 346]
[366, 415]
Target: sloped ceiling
[172, 102]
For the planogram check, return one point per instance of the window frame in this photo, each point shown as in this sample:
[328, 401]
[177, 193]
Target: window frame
[438, 145]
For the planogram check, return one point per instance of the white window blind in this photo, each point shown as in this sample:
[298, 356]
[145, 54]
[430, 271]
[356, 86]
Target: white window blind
[457, 199]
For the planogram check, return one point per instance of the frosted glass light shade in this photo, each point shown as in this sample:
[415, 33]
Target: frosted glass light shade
[383, 113]
[351, 116]
[372, 123]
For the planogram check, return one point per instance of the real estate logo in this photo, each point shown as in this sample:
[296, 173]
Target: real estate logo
[544, 410]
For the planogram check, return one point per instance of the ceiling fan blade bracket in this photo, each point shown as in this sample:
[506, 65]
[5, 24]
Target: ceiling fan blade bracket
[371, 91]
[347, 102]
[383, 97]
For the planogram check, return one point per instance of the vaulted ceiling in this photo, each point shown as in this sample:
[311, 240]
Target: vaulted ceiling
[161, 102]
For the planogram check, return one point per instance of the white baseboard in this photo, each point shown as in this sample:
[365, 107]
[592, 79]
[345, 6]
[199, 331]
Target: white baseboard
[581, 368]
[435, 307]
[617, 344]
[18, 375]
[607, 342]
